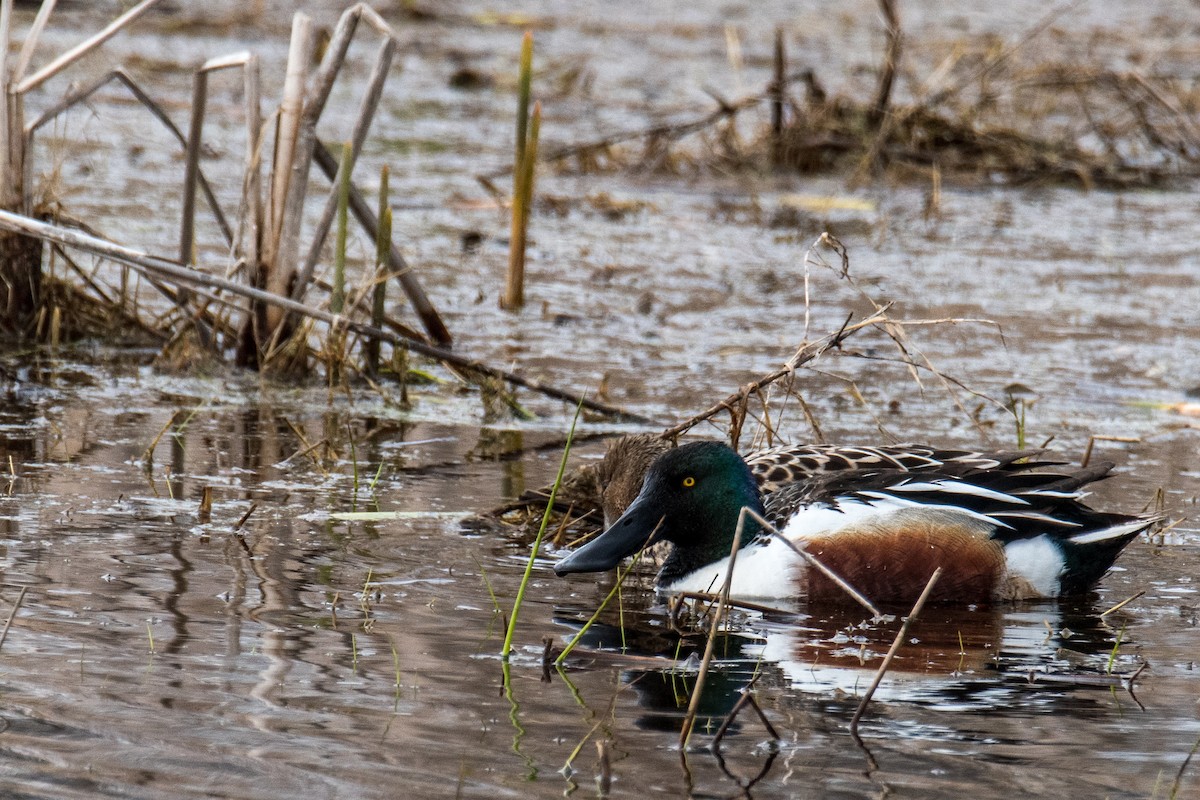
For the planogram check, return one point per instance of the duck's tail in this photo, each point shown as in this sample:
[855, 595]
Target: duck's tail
[1088, 555]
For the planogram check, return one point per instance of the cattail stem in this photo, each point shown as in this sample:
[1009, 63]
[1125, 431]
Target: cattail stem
[337, 298]
[524, 157]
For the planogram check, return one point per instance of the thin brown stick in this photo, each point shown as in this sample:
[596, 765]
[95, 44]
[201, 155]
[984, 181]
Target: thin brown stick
[1183, 768]
[891, 653]
[778, 92]
[710, 597]
[806, 353]
[12, 614]
[80, 50]
[148, 453]
[746, 699]
[841, 582]
[1087, 452]
[362, 124]
[238, 526]
[689, 721]
[1123, 603]
[891, 58]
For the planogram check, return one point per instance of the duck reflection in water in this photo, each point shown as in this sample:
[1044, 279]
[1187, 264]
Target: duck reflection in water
[954, 659]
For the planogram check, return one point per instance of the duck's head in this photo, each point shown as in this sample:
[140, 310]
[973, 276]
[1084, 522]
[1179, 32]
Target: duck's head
[691, 497]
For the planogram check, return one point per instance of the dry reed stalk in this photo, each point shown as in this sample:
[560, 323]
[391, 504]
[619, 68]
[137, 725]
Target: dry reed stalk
[709, 597]
[1123, 603]
[242, 519]
[522, 192]
[201, 282]
[204, 513]
[383, 245]
[248, 241]
[276, 277]
[187, 233]
[83, 48]
[192, 175]
[1087, 453]
[746, 699]
[17, 605]
[8, 170]
[80, 95]
[891, 653]
[778, 92]
[312, 105]
[31, 40]
[362, 125]
[337, 297]
[891, 61]
[21, 258]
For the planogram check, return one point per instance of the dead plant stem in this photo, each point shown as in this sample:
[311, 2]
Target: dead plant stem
[891, 653]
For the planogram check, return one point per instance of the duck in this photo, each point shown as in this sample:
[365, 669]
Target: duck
[1002, 526]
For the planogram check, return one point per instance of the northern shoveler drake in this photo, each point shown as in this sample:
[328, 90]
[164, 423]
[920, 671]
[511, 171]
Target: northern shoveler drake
[882, 519]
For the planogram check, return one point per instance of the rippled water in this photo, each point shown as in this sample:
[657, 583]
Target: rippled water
[156, 654]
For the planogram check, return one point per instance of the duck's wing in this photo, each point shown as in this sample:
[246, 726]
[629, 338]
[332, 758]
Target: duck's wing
[1036, 517]
[779, 466]
[1017, 500]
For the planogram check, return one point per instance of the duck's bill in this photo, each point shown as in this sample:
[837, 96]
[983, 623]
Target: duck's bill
[635, 530]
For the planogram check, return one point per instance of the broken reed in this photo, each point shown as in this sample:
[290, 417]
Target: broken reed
[537, 542]
[383, 244]
[522, 195]
[337, 297]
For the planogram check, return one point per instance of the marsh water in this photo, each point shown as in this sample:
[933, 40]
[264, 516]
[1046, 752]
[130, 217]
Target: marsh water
[284, 647]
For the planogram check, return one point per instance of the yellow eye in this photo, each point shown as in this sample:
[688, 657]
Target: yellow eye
[689, 481]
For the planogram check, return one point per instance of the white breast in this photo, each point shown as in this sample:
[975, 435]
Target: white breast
[762, 571]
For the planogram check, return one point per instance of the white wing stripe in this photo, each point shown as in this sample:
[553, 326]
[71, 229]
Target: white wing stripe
[958, 487]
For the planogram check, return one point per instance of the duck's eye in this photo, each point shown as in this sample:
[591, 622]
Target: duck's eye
[689, 482]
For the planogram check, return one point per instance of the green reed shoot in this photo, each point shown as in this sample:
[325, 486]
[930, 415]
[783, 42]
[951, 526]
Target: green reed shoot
[337, 298]
[353, 466]
[537, 542]
[1112, 657]
[491, 592]
[375, 478]
[621, 575]
[524, 82]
